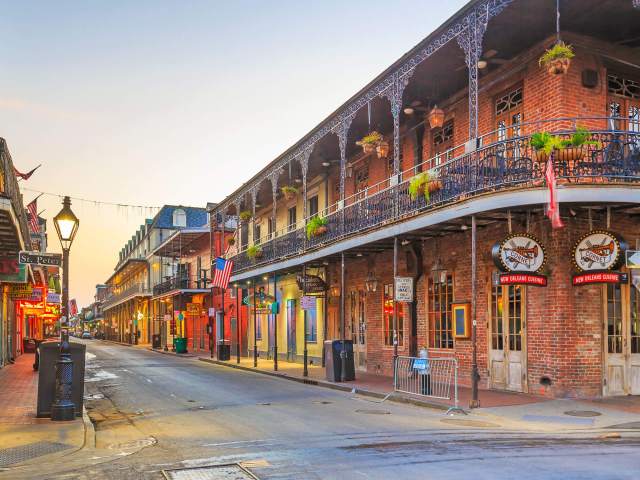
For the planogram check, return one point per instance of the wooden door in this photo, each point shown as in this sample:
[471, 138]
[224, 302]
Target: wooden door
[291, 329]
[622, 346]
[507, 339]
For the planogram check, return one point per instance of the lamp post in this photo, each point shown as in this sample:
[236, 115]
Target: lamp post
[63, 408]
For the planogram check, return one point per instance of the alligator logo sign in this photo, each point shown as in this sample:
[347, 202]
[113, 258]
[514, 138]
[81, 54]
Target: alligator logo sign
[519, 253]
[598, 250]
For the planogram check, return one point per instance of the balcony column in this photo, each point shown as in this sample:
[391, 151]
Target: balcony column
[343, 131]
[273, 178]
[470, 41]
[254, 195]
[238, 225]
[304, 166]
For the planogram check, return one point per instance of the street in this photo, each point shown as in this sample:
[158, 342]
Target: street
[190, 413]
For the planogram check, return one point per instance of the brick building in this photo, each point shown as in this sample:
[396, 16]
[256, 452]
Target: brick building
[556, 310]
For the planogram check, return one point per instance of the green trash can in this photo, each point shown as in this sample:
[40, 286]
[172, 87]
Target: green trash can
[180, 344]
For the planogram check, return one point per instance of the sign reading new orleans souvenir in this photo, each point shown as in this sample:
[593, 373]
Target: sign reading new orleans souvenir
[598, 250]
[520, 252]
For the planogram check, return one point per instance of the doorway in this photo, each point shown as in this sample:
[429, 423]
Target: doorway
[291, 330]
[507, 339]
[358, 329]
[622, 346]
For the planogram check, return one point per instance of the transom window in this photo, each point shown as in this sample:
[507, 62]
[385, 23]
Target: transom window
[624, 87]
[509, 101]
[440, 299]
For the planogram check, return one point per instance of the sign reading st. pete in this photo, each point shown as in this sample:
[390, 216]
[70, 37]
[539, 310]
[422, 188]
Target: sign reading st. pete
[37, 258]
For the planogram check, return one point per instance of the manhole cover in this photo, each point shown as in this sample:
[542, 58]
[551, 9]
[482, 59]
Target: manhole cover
[141, 443]
[10, 456]
[265, 403]
[373, 412]
[211, 472]
[322, 402]
[583, 413]
[469, 423]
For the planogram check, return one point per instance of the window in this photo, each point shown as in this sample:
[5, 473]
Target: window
[179, 218]
[507, 314]
[257, 235]
[292, 218]
[624, 103]
[440, 299]
[442, 139]
[313, 206]
[312, 325]
[272, 228]
[388, 317]
[508, 111]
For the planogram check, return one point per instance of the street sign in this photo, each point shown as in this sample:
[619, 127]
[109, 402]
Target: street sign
[37, 258]
[404, 289]
[633, 258]
[307, 302]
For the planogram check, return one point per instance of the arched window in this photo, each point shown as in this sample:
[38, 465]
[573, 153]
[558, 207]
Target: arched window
[179, 218]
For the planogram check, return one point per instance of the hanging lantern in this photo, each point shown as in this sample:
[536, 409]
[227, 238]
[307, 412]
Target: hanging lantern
[371, 283]
[436, 117]
[334, 291]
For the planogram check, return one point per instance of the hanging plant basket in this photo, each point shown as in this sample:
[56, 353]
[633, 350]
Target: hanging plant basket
[231, 241]
[424, 184]
[245, 216]
[382, 149]
[254, 252]
[564, 149]
[370, 142]
[289, 192]
[316, 227]
[557, 59]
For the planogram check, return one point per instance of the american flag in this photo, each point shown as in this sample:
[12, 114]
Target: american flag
[223, 273]
[33, 216]
[553, 210]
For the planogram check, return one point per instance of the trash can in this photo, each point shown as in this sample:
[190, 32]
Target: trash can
[224, 350]
[156, 341]
[333, 360]
[49, 355]
[180, 344]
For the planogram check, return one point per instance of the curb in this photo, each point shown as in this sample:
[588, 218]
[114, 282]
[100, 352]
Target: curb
[89, 430]
[179, 355]
[394, 397]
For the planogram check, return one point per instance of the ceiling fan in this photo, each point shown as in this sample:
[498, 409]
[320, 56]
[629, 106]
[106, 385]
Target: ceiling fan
[489, 58]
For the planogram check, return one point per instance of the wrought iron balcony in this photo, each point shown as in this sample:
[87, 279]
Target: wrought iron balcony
[9, 188]
[179, 283]
[122, 295]
[506, 161]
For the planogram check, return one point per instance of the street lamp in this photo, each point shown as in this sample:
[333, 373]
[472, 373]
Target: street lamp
[63, 408]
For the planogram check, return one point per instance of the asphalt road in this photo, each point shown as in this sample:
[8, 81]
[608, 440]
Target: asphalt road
[193, 413]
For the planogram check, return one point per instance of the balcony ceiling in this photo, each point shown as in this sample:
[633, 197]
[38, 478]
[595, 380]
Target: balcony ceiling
[128, 268]
[9, 236]
[184, 243]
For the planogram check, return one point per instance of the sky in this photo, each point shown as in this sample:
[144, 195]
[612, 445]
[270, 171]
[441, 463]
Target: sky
[177, 102]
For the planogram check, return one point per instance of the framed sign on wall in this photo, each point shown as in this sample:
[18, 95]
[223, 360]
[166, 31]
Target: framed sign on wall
[461, 320]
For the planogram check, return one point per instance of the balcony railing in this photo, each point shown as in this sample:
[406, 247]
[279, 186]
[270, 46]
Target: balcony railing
[114, 298]
[9, 188]
[179, 283]
[509, 163]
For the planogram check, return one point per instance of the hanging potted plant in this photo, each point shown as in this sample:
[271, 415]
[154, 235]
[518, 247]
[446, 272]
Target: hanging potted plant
[564, 149]
[231, 241]
[382, 149]
[254, 252]
[289, 192]
[557, 59]
[245, 216]
[369, 142]
[425, 184]
[316, 226]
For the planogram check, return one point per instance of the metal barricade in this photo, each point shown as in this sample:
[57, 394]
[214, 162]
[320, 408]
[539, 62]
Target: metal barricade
[428, 377]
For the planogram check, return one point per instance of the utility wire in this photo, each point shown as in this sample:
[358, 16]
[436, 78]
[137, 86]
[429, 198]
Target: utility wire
[87, 200]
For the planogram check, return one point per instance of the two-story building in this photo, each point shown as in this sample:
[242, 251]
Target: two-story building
[454, 193]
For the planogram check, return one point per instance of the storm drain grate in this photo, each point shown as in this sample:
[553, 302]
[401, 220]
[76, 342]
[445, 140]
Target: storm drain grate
[231, 471]
[13, 455]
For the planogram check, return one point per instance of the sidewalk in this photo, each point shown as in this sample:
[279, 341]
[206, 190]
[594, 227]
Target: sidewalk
[23, 437]
[376, 385]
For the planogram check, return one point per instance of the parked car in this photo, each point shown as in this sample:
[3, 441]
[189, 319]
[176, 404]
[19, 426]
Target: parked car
[86, 335]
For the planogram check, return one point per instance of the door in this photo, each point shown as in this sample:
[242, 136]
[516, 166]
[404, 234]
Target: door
[359, 329]
[507, 356]
[622, 349]
[291, 330]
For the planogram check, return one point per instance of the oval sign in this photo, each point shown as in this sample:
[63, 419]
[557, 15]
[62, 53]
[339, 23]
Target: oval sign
[520, 252]
[597, 250]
